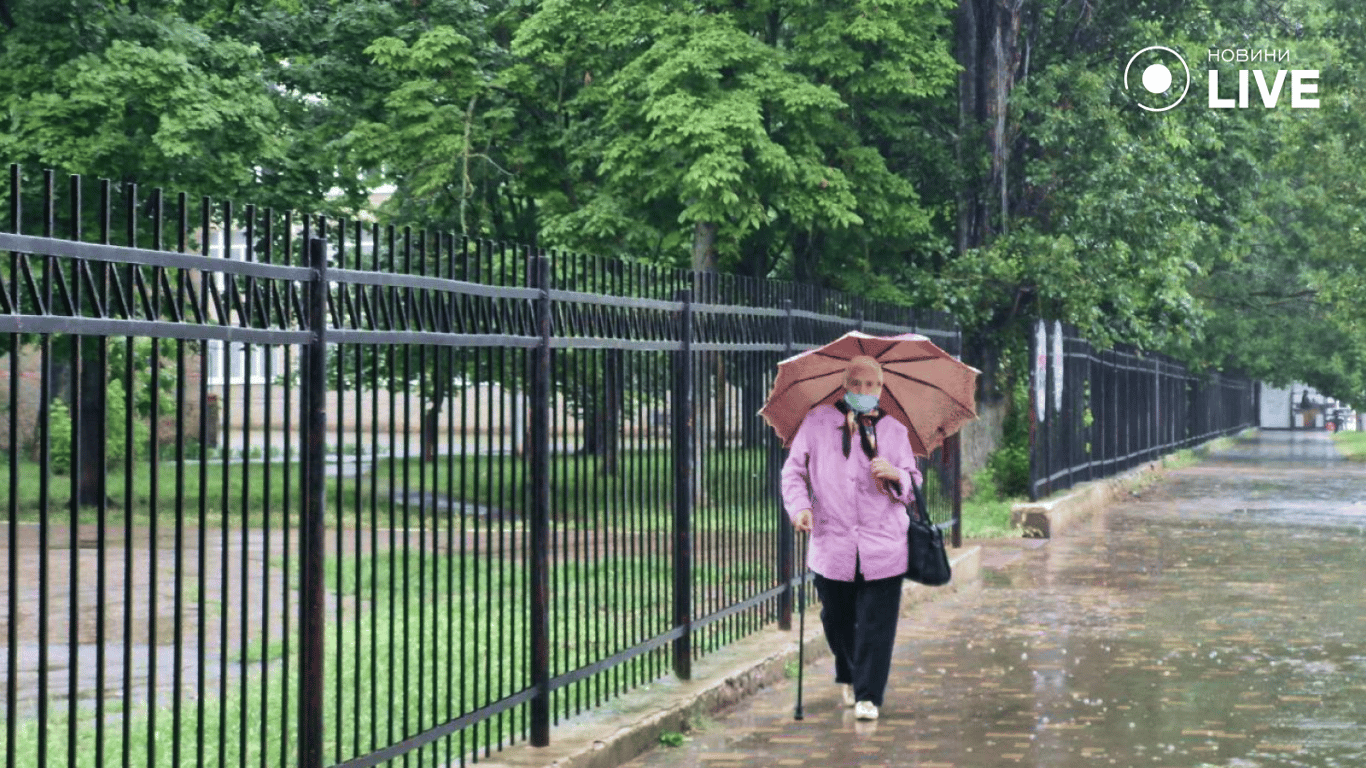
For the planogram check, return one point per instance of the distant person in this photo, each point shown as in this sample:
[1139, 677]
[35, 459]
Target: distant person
[847, 481]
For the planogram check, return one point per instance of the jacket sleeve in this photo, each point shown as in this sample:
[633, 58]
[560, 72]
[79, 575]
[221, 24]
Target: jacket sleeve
[796, 488]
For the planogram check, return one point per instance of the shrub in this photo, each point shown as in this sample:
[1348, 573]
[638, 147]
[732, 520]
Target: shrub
[115, 426]
[1009, 470]
[1009, 464]
[59, 437]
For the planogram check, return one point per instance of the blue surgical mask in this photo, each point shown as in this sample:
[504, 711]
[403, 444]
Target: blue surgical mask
[860, 403]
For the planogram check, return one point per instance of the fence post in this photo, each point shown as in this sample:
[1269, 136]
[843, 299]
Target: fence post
[786, 535]
[1155, 403]
[1033, 417]
[539, 273]
[953, 461]
[956, 471]
[311, 606]
[683, 488]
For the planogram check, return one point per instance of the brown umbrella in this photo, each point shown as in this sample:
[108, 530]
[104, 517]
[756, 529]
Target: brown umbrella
[923, 386]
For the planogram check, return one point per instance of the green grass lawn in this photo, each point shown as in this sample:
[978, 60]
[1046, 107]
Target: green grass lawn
[427, 636]
[248, 492]
[1352, 444]
[410, 659]
[422, 636]
[986, 514]
[988, 518]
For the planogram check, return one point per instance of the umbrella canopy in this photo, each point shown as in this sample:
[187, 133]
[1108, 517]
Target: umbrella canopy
[923, 386]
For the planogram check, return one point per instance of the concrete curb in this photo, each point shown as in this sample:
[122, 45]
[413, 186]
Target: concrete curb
[630, 725]
[1049, 517]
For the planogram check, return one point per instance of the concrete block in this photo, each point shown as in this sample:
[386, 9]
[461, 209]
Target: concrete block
[1050, 517]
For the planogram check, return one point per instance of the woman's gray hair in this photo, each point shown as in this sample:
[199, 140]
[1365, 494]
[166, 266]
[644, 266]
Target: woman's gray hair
[865, 363]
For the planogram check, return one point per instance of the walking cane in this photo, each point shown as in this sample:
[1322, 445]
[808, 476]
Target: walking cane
[801, 630]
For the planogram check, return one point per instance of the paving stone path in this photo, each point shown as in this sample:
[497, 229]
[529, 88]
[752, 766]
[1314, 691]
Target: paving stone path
[1215, 619]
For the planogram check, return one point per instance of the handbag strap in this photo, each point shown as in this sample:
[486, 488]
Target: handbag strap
[919, 502]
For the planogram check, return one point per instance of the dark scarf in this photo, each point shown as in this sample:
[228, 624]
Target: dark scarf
[866, 424]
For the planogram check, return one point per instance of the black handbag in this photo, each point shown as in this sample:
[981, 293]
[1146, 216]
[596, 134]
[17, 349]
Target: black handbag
[926, 561]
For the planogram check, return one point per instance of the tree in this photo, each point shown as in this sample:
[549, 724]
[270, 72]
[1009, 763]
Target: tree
[1135, 226]
[130, 93]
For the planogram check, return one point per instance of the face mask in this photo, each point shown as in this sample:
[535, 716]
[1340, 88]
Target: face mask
[860, 403]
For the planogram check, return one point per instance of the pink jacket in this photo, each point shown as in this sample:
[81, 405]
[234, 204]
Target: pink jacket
[852, 519]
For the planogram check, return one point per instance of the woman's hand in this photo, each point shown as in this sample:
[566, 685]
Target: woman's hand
[802, 522]
[883, 470]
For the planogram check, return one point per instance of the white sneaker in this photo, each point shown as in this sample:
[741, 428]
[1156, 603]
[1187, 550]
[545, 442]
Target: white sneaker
[847, 694]
[865, 710]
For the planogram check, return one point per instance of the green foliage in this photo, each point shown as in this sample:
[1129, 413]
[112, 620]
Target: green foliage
[58, 438]
[116, 441]
[1008, 466]
[128, 94]
[770, 125]
[672, 739]
[986, 512]
[817, 141]
[133, 364]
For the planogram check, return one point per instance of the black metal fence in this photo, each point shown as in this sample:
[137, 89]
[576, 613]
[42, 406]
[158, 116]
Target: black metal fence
[285, 491]
[1096, 413]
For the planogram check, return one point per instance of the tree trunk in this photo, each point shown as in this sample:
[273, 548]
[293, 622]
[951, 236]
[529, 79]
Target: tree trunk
[721, 404]
[704, 246]
[432, 418]
[609, 421]
[90, 427]
[989, 52]
[969, 212]
[704, 263]
[601, 404]
[90, 391]
[752, 396]
[806, 256]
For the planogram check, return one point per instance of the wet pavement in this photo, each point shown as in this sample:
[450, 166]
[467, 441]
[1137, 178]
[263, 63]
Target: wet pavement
[1214, 619]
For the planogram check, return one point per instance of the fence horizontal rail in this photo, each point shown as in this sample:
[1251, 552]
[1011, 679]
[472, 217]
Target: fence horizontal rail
[117, 254]
[430, 338]
[422, 282]
[93, 326]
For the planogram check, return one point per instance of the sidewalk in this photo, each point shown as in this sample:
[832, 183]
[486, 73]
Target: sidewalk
[1214, 620]
[617, 732]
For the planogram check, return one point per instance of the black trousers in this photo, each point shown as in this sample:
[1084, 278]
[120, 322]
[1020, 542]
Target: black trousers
[859, 618]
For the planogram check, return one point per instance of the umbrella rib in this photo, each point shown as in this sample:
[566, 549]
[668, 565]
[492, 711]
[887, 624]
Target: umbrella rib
[915, 359]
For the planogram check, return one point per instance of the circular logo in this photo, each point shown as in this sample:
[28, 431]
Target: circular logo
[1157, 79]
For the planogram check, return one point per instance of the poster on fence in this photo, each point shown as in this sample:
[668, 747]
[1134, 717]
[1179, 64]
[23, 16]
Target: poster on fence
[1040, 370]
[1057, 366]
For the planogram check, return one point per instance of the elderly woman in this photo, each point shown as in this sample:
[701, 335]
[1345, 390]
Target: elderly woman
[846, 482]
